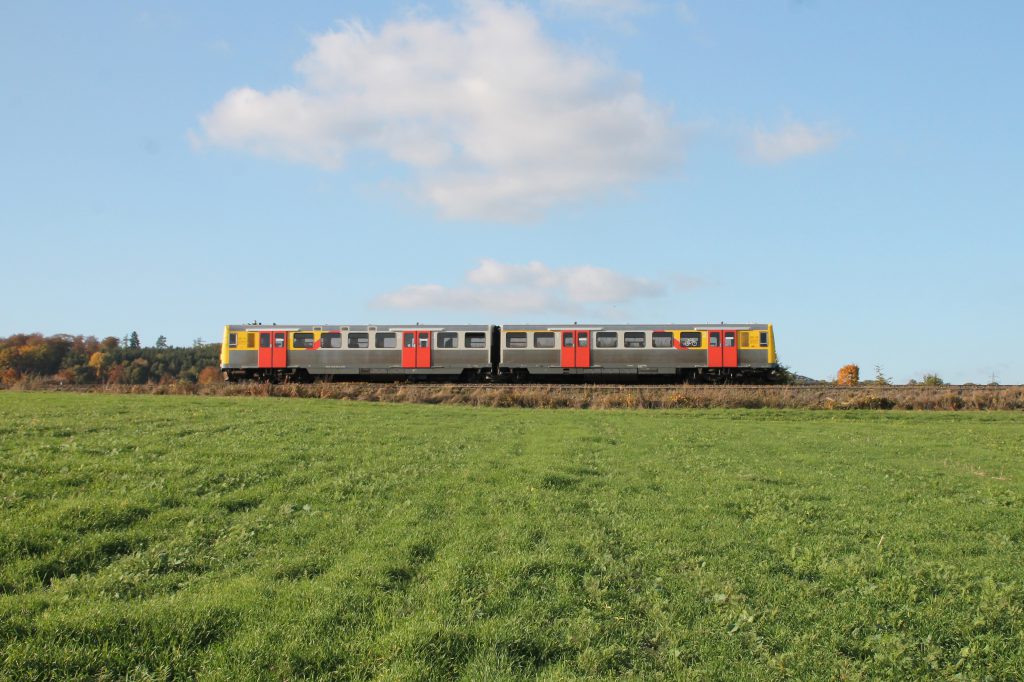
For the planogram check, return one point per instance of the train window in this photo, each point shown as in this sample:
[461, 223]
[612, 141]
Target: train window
[385, 340]
[424, 339]
[607, 340]
[251, 340]
[330, 340]
[634, 340]
[689, 339]
[264, 340]
[661, 339]
[358, 340]
[302, 340]
[515, 339]
[232, 340]
[567, 339]
[476, 340]
[584, 339]
[713, 339]
[408, 340]
[543, 339]
[764, 339]
[447, 340]
[279, 340]
[730, 339]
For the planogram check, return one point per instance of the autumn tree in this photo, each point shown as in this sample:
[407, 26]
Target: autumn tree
[849, 375]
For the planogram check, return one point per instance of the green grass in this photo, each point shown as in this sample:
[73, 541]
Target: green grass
[231, 538]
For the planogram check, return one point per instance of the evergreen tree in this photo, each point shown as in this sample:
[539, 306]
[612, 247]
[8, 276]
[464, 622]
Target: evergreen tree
[133, 340]
[161, 342]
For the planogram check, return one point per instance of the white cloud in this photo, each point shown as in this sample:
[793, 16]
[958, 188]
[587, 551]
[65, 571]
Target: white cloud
[610, 9]
[498, 121]
[791, 141]
[531, 288]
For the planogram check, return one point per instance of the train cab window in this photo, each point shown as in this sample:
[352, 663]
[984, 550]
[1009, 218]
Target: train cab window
[713, 338]
[661, 339]
[543, 339]
[764, 340]
[634, 340]
[476, 340]
[447, 340]
[264, 340]
[607, 340]
[330, 340]
[358, 340]
[232, 340]
[730, 339]
[567, 339]
[385, 340]
[302, 340]
[515, 339]
[689, 339]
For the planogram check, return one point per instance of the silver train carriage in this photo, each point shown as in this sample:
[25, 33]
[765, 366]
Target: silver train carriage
[350, 351]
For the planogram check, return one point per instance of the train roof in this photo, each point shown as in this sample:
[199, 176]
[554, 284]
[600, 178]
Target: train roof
[358, 327]
[739, 326]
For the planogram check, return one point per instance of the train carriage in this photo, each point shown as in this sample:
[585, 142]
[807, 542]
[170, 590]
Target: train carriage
[347, 351]
[685, 351]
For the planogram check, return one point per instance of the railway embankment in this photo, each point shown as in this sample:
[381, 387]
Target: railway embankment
[598, 396]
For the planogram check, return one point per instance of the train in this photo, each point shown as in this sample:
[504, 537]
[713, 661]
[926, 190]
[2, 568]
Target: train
[691, 353]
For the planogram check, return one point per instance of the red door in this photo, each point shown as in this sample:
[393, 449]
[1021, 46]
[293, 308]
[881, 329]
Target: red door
[714, 349]
[583, 349]
[409, 350]
[730, 352]
[423, 349]
[722, 350]
[416, 349]
[273, 351]
[568, 350]
[575, 349]
[265, 355]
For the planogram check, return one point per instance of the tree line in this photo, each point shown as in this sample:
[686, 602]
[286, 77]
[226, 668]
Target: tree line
[88, 360]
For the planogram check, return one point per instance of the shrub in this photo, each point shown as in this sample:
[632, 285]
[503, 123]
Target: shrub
[932, 380]
[211, 375]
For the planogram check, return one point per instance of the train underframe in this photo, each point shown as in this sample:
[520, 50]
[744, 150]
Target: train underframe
[688, 375]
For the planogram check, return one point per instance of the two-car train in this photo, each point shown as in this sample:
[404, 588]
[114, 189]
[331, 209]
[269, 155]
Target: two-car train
[607, 352]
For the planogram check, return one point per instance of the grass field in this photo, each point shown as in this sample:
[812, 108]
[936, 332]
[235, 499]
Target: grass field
[233, 538]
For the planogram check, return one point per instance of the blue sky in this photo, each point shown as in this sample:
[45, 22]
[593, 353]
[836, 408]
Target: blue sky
[850, 172]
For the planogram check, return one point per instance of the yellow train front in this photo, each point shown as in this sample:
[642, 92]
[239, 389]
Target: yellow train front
[666, 352]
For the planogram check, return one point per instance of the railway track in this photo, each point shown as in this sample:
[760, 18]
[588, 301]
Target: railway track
[673, 387]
